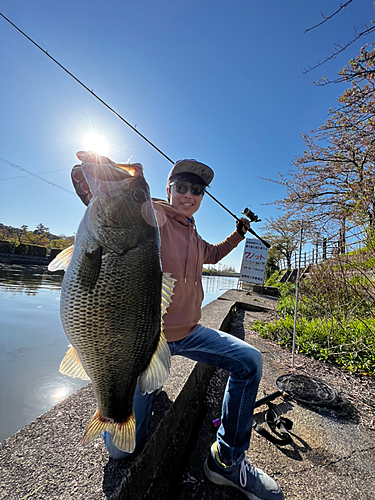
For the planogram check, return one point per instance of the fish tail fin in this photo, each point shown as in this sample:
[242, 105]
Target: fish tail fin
[122, 434]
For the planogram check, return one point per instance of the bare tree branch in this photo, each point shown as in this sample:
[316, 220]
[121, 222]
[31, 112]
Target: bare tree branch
[339, 49]
[325, 19]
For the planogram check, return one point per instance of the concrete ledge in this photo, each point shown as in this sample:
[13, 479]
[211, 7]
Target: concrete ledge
[153, 474]
[273, 291]
[34, 260]
[45, 459]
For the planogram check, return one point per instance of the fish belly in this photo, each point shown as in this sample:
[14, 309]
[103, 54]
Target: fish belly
[115, 324]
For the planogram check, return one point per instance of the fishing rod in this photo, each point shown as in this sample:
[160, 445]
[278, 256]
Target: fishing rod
[245, 211]
[248, 214]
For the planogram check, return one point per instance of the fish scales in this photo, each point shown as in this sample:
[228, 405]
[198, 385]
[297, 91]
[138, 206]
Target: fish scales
[115, 327]
[111, 298]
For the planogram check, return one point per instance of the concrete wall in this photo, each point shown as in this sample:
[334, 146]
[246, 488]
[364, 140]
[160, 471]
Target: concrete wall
[46, 460]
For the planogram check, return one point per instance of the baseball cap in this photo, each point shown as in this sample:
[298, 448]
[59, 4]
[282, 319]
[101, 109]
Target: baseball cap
[192, 167]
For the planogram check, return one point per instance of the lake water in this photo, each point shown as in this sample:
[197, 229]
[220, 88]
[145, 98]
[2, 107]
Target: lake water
[33, 343]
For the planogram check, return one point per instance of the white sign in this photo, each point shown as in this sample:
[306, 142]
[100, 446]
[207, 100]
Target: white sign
[254, 261]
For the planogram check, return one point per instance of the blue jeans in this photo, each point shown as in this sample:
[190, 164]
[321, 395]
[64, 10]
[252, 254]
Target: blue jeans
[245, 366]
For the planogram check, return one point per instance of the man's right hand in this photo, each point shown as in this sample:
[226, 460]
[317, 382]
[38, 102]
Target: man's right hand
[78, 179]
[80, 184]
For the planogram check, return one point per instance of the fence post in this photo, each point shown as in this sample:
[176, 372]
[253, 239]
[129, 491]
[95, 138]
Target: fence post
[296, 298]
[342, 241]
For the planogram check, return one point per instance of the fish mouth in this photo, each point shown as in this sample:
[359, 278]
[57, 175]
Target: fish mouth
[103, 175]
[133, 169]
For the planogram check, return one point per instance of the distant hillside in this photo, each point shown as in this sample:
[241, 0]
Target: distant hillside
[40, 236]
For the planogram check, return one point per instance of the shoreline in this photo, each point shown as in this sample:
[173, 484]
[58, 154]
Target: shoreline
[24, 260]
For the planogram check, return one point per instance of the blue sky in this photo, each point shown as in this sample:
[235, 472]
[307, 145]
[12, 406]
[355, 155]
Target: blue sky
[219, 81]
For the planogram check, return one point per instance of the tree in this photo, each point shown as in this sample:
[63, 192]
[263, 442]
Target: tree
[283, 234]
[60, 243]
[360, 68]
[41, 229]
[339, 48]
[21, 232]
[274, 256]
[31, 238]
[334, 177]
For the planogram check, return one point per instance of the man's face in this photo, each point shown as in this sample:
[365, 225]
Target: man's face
[187, 203]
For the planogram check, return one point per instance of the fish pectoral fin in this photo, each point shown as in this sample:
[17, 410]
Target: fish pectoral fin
[61, 261]
[157, 371]
[71, 365]
[89, 269]
[122, 434]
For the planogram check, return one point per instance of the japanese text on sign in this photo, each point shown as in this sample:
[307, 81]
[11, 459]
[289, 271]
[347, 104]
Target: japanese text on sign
[254, 261]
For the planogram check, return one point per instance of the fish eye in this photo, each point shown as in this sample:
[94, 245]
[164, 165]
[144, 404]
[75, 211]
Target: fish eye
[139, 195]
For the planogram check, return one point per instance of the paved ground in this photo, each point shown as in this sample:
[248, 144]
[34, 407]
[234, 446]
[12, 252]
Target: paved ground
[332, 456]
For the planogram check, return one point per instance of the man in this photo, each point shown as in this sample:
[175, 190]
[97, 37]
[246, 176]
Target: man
[183, 253]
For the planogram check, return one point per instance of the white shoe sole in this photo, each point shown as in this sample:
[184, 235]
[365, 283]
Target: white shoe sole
[222, 481]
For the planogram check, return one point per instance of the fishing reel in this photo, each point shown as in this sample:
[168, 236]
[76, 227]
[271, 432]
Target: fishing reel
[250, 215]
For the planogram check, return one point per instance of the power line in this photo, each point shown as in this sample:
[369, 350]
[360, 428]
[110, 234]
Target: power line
[35, 175]
[27, 175]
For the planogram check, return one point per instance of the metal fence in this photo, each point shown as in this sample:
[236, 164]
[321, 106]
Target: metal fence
[327, 248]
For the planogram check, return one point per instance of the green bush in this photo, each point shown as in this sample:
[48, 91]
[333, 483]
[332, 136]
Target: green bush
[273, 280]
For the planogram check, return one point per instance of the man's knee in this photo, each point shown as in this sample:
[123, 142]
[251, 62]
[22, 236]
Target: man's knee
[254, 362]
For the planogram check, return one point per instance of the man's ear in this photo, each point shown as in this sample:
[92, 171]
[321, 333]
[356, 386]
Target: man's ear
[168, 192]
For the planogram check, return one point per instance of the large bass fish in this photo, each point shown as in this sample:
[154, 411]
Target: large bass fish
[113, 297]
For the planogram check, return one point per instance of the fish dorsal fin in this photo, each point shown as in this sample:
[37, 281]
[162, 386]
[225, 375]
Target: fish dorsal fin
[157, 371]
[71, 365]
[61, 261]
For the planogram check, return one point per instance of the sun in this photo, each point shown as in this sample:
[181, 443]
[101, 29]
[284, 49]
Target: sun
[97, 143]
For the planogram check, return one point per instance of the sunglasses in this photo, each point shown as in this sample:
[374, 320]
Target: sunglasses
[182, 187]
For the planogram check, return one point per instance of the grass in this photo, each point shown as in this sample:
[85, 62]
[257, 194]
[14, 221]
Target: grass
[335, 321]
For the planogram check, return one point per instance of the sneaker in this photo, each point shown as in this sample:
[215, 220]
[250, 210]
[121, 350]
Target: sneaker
[252, 482]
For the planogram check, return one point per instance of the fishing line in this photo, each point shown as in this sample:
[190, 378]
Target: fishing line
[118, 116]
[85, 87]
[35, 175]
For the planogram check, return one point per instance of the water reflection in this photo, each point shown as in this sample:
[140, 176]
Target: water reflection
[28, 279]
[33, 343]
[214, 286]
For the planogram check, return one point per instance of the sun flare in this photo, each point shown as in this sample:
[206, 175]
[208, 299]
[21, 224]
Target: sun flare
[97, 143]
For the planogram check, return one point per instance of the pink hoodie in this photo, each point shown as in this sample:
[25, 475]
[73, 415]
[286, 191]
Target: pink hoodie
[183, 253]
